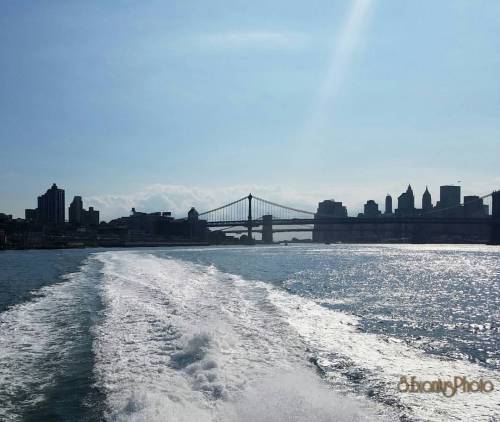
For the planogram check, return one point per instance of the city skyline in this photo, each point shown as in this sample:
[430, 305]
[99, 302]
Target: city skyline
[451, 220]
[154, 103]
[399, 205]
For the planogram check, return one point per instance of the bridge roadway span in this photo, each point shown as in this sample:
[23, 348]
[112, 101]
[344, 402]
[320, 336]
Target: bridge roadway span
[351, 220]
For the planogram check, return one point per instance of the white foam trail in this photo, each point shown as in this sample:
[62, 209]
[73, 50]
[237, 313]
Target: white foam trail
[387, 359]
[183, 342]
[35, 338]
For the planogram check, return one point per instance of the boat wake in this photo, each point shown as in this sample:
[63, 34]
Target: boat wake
[183, 342]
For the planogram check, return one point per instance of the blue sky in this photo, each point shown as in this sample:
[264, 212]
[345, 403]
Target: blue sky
[167, 104]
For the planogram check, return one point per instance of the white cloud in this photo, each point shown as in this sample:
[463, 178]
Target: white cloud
[179, 199]
[249, 39]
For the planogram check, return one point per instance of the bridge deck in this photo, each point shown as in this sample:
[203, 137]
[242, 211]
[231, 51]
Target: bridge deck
[352, 220]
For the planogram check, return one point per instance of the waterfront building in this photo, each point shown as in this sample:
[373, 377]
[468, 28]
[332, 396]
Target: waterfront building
[193, 214]
[406, 203]
[328, 208]
[162, 225]
[5, 217]
[426, 201]
[75, 211]
[91, 217]
[449, 196]
[331, 208]
[51, 207]
[371, 209]
[474, 207]
[388, 204]
[79, 216]
[31, 214]
[449, 201]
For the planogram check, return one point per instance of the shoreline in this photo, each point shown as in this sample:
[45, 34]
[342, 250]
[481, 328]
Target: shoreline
[127, 245]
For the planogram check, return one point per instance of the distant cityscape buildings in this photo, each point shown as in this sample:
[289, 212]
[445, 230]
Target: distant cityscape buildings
[79, 216]
[448, 206]
[406, 203]
[448, 221]
[50, 208]
[332, 208]
[46, 226]
[158, 225]
[449, 196]
[426, 200]
[76, 210]
[388, 204]
[370, 209]
[474, 207]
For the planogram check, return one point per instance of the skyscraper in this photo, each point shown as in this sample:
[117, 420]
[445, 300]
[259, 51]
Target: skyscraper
[495, 209]
[91, 217]
[473, 207]
[388, 204]
[406, 203]
[328, 208]
[51, 206]
[449, 201]
[371, 209]
[495, 213]
[75, 212]
[331, 208]
[449, 196]
[426, 200]
[31, 214]
[80, 216]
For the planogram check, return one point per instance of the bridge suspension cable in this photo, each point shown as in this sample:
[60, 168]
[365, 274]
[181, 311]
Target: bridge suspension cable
[239, 211]
[234, 211]
[284, 207]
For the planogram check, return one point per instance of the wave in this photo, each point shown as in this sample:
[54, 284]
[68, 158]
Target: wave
[45, 348]
[374, 364]
[185, 342]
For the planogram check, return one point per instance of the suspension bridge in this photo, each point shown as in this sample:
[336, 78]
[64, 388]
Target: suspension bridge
[251, 214]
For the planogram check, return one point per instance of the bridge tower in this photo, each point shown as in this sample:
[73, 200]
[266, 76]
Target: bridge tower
[267, 228]
[495, 224]
[249, 225]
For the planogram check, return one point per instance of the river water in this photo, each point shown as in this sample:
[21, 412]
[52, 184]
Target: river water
[278, 333]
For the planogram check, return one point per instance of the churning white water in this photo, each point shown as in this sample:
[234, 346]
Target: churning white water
[183, 342]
